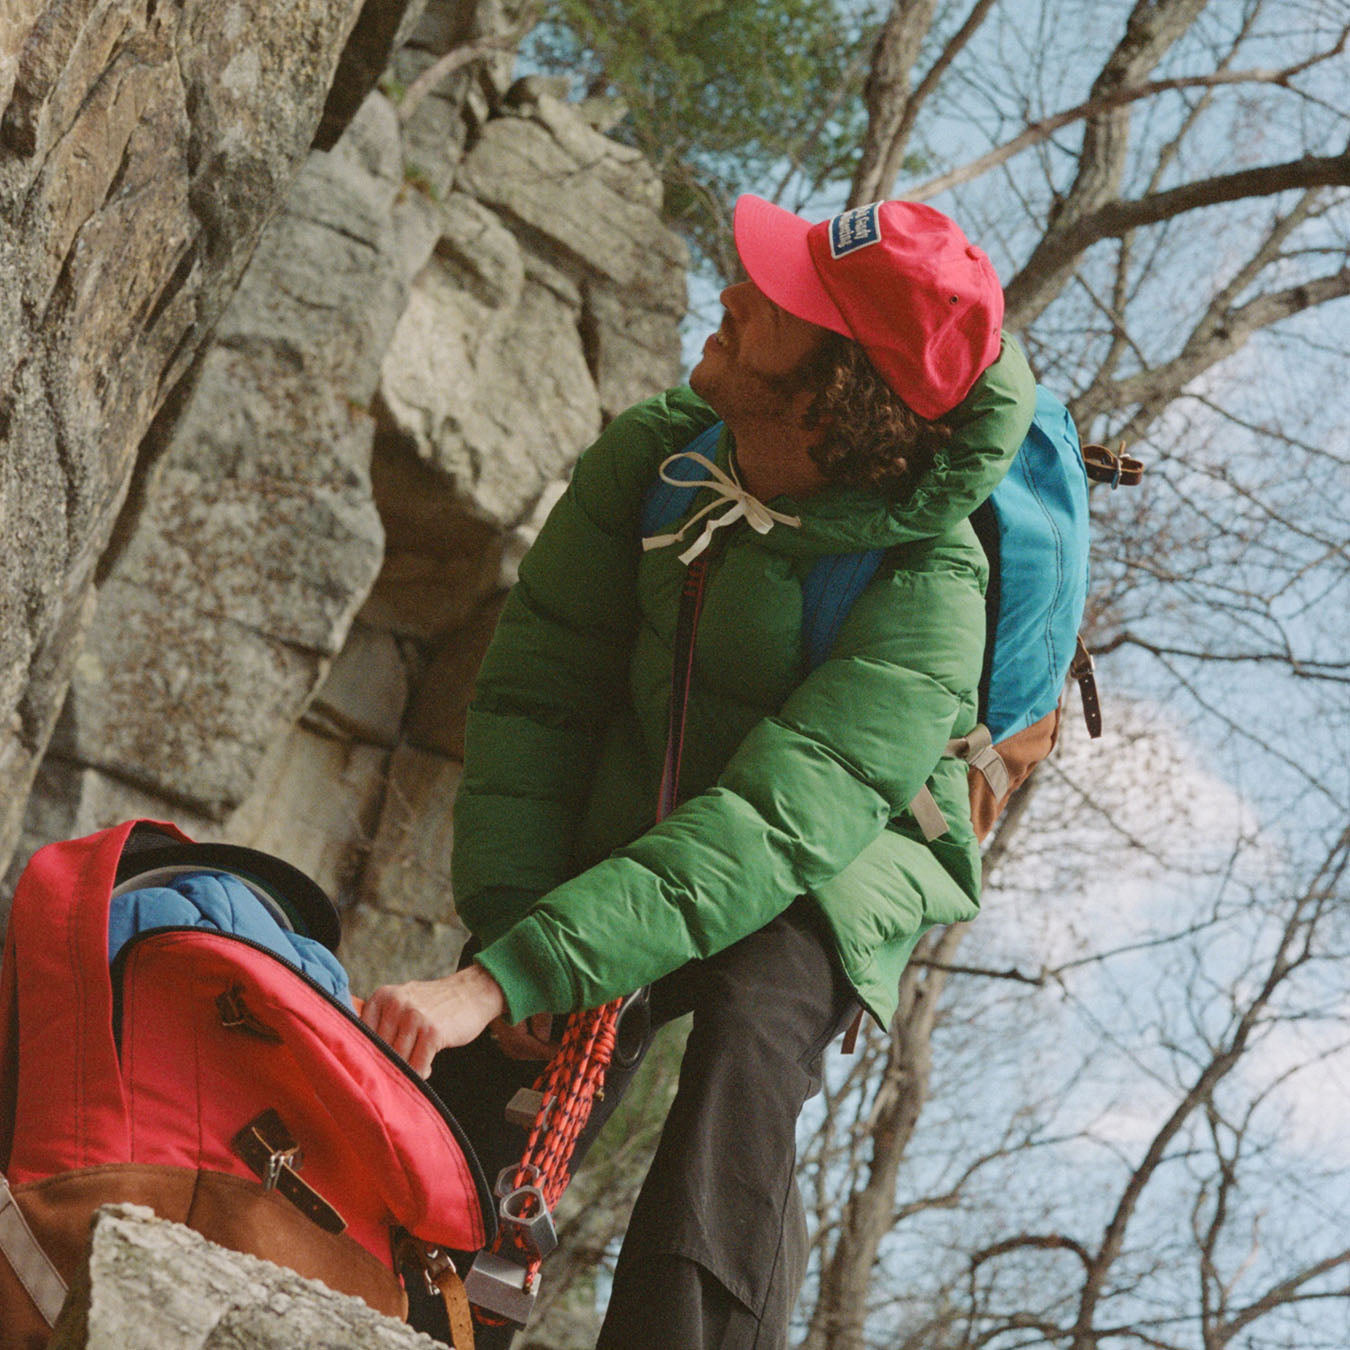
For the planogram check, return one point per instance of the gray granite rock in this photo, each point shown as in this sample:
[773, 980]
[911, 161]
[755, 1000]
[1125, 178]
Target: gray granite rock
[154, 1285]
[409, 868]
[381, 948]
[415, 355]
[486, 378]
[587, 199]
[366, 691]
[315, 801]
[437, 715]
[142, 149]
[257, 537]
[439, 561]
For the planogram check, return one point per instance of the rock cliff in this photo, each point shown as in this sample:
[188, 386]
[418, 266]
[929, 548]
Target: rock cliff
[290, 371]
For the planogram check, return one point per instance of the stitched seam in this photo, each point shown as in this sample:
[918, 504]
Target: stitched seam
[1049, 636]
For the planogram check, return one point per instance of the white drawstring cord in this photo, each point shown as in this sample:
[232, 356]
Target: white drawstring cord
[760, 517]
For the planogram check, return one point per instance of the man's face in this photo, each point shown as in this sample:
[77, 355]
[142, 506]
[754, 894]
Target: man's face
[750, 364]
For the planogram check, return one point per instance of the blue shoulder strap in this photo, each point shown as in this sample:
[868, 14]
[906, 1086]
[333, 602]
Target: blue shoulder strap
[665, 503]
[828, 593]
[1039, 560]
[833, 583]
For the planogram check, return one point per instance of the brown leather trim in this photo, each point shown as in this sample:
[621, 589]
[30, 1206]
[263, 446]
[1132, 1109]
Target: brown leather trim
[269, 1148]
[457, 1309]
[1020, 753]
[232, 1211]
[1083, 670]
[1105, 465]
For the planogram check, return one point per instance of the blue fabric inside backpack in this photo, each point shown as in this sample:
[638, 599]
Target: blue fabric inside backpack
[221, 903]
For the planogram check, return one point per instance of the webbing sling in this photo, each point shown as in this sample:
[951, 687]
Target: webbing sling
[30, 1263]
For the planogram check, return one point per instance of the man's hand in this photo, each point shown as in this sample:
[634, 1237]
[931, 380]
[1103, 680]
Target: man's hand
[530, 1039]
[425, 1016]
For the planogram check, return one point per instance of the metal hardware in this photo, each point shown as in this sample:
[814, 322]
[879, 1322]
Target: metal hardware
[526, 1212]
[273, 1155]
[434, 1262]
[632, 1031]
[277, 1160]
[502, 1287]
[506, 1178]
[235, 1016]
[523, 1109]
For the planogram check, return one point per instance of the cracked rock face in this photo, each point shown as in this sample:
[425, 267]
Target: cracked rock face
[142, 147]
[485, 375]
[321, 521]
[154, 1285]
[258, 537]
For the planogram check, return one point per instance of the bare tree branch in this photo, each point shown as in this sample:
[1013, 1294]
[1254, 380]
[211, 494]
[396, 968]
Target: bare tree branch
[1291, 952]
[886, 91]
[459, 57]
[1045, 127]
[1032, 289]
[893, 157]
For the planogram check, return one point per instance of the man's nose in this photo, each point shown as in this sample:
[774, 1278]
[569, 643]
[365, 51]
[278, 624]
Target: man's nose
[733, 298]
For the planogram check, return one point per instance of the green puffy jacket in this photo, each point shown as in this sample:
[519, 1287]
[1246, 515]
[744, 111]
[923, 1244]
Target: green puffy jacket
[792, 785]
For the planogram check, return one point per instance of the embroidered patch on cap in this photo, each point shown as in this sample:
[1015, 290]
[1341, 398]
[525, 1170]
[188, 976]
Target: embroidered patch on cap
[855, 229]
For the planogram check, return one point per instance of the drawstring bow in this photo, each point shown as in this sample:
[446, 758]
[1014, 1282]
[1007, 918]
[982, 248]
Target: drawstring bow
[761, 518]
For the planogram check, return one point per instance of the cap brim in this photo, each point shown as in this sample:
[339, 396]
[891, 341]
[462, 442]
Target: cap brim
[772, 245]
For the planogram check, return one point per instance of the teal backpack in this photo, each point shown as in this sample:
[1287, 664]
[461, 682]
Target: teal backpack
[1034, 531]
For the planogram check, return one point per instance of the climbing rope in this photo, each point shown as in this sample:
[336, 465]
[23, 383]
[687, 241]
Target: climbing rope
[569, 1086]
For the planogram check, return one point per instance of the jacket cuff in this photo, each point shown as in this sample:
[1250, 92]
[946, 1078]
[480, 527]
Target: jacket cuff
[532, 977]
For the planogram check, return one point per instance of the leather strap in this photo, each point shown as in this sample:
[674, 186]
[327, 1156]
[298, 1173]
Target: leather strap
[1104, 465]
[1082, 669]
[266, 1145]
[457, 1310]
[25, 1255]
[416, 1258]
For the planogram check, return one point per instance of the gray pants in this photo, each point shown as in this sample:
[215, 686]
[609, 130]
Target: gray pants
[716, 1248]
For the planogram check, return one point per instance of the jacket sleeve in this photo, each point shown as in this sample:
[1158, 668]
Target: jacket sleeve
[804, 794]
[553, 673]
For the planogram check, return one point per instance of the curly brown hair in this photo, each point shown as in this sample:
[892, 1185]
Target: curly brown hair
[872, 437]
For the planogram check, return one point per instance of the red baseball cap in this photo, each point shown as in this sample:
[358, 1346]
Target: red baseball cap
[898, 277]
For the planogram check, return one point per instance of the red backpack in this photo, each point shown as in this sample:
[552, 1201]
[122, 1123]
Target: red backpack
[209, 1079]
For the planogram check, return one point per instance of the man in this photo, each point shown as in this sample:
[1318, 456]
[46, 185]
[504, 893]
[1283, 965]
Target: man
[791, 882]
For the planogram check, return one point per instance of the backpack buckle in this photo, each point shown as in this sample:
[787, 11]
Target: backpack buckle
[1104, 465]
[277, 1160]
[271, 1153]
